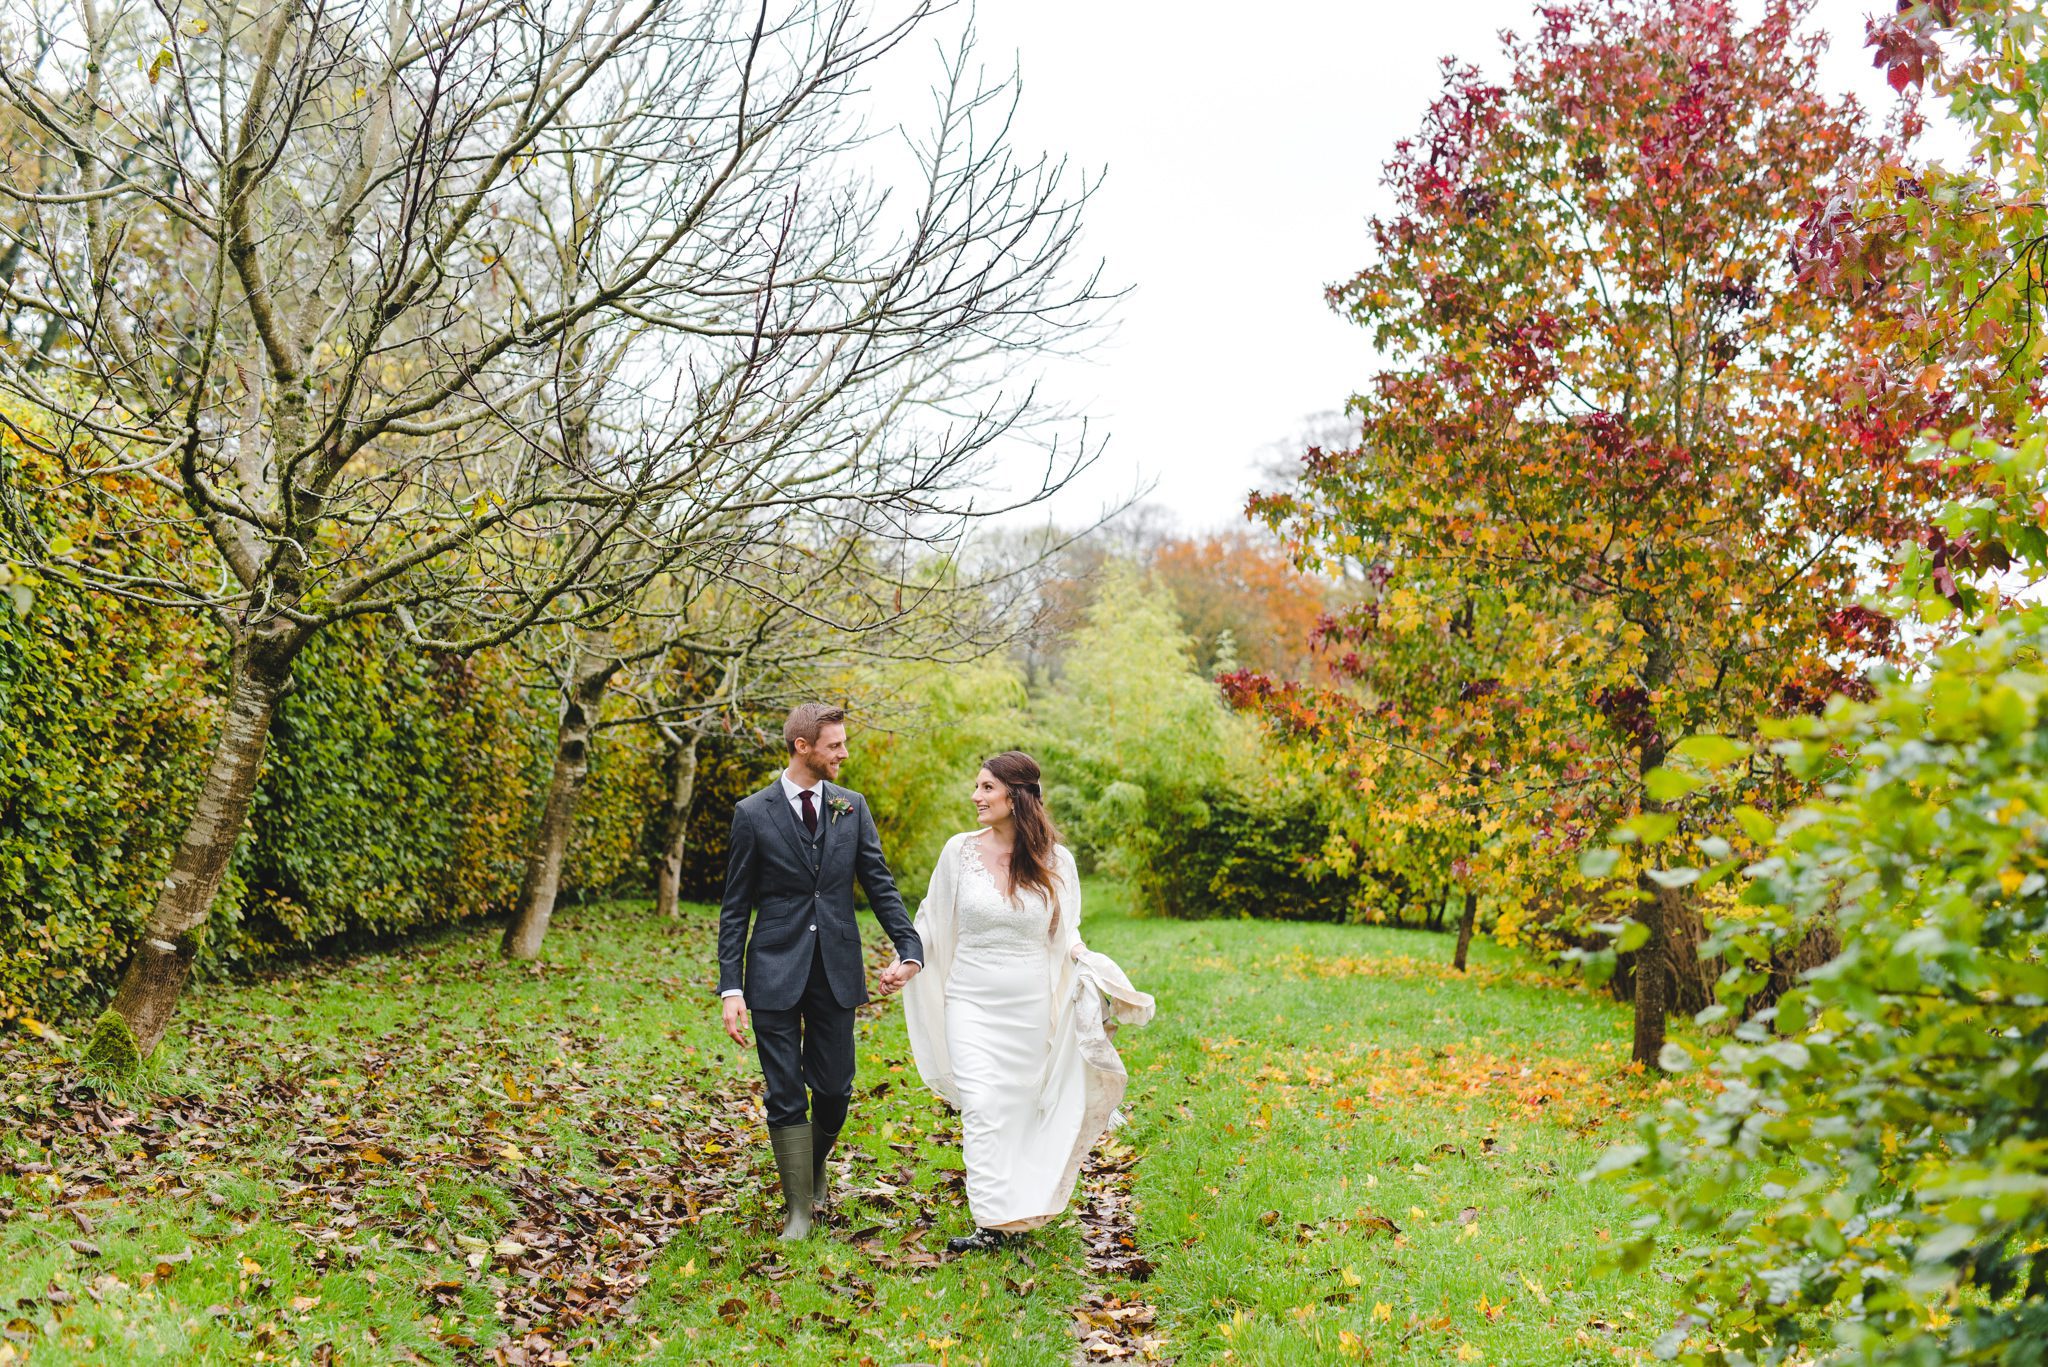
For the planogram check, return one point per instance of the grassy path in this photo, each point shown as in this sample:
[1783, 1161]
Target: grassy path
[1338, 1151]
[1354, 1153]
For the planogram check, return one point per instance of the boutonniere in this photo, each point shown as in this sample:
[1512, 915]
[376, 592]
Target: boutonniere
[840, 807]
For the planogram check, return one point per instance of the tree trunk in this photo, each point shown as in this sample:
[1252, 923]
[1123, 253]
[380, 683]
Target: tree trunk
[673, 824]
[543, 880]
[1685, 931]
[1790, 965]
[1653, 972]
[1465, 924]
[1656, 911]
[259, 672]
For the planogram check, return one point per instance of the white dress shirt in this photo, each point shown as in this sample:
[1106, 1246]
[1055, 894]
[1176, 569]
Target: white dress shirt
[795, 791]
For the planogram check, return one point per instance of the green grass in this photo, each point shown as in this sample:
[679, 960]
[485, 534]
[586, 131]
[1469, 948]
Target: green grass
[369, 1162]
[1307, 1091]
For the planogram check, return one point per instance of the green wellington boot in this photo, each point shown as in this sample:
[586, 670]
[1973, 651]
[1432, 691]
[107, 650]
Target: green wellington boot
[822, 1141]
[792, 1145]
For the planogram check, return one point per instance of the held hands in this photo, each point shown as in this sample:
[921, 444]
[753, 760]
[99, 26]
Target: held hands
[736, 1019]
[895, 976]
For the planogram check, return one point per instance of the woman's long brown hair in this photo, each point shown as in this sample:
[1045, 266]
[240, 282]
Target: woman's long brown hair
[1031, 851]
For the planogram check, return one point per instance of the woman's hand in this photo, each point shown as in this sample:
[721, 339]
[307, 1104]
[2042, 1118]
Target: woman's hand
[1077, 951]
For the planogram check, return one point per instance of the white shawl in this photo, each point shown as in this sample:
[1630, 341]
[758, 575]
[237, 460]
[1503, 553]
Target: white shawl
[1090, 997]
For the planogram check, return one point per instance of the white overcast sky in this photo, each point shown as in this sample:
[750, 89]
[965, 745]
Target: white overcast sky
[1242, 148]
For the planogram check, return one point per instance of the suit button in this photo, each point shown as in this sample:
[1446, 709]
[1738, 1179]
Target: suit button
[814, 926]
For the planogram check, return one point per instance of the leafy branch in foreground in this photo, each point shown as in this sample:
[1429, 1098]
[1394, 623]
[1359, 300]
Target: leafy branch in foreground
[1881, 1130]
[1870, 1184]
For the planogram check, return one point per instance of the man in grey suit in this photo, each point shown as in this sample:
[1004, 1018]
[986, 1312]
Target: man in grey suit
[798, 847]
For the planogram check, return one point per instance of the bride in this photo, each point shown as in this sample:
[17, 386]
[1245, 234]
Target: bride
[1007, 1020]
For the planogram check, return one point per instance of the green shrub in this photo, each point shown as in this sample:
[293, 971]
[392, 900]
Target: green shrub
[1881, 1132]
[919, 775]
[1255, 855]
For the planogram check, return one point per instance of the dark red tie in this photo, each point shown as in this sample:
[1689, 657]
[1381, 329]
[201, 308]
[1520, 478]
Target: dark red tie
[810, 812]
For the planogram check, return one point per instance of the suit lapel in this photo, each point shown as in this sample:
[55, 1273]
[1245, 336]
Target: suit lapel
[782, 816]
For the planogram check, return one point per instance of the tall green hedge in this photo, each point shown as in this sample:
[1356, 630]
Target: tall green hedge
[395, 795]
[398, 794]
[104, 720]
[1257, 854]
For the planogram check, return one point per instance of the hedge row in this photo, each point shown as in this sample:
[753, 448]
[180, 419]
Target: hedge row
[398, 795]
[103, 719]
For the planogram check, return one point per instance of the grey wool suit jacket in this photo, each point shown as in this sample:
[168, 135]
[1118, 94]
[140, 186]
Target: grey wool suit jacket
[798, 896]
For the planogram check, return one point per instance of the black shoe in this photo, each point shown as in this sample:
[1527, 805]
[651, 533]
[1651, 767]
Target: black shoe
[981, 1241]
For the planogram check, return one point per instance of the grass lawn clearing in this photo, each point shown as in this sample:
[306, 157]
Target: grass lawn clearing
[1339, 1150]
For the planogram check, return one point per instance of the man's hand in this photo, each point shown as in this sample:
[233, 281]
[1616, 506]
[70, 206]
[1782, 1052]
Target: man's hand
[736, 1019]
[896, 975]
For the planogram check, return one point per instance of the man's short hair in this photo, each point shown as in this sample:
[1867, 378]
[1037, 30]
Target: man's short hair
[807, 719]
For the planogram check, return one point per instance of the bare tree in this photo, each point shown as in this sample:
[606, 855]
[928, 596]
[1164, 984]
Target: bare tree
[748, 664]
[657, 658]
[485, 317]
[683, 723]
[798, 617]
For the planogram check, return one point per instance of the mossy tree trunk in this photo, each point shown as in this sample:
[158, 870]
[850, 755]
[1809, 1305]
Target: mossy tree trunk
[582, 700]
[259, 673]
[1662, 910]
[1685, 931]
[672, 824]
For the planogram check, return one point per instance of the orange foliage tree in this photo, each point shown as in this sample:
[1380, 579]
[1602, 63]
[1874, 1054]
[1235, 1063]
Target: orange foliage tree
[1620, 421]
[1242, 601]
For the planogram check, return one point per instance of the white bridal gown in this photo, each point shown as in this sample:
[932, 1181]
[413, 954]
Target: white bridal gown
[1007, 1023]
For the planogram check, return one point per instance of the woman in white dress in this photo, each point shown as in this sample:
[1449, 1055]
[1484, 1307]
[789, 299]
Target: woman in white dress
[1007, 1021]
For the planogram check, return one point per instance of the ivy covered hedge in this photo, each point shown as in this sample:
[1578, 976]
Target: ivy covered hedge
[398, 795]
[102, 727]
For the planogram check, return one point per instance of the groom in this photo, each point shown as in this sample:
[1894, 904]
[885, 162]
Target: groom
[798, 846]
